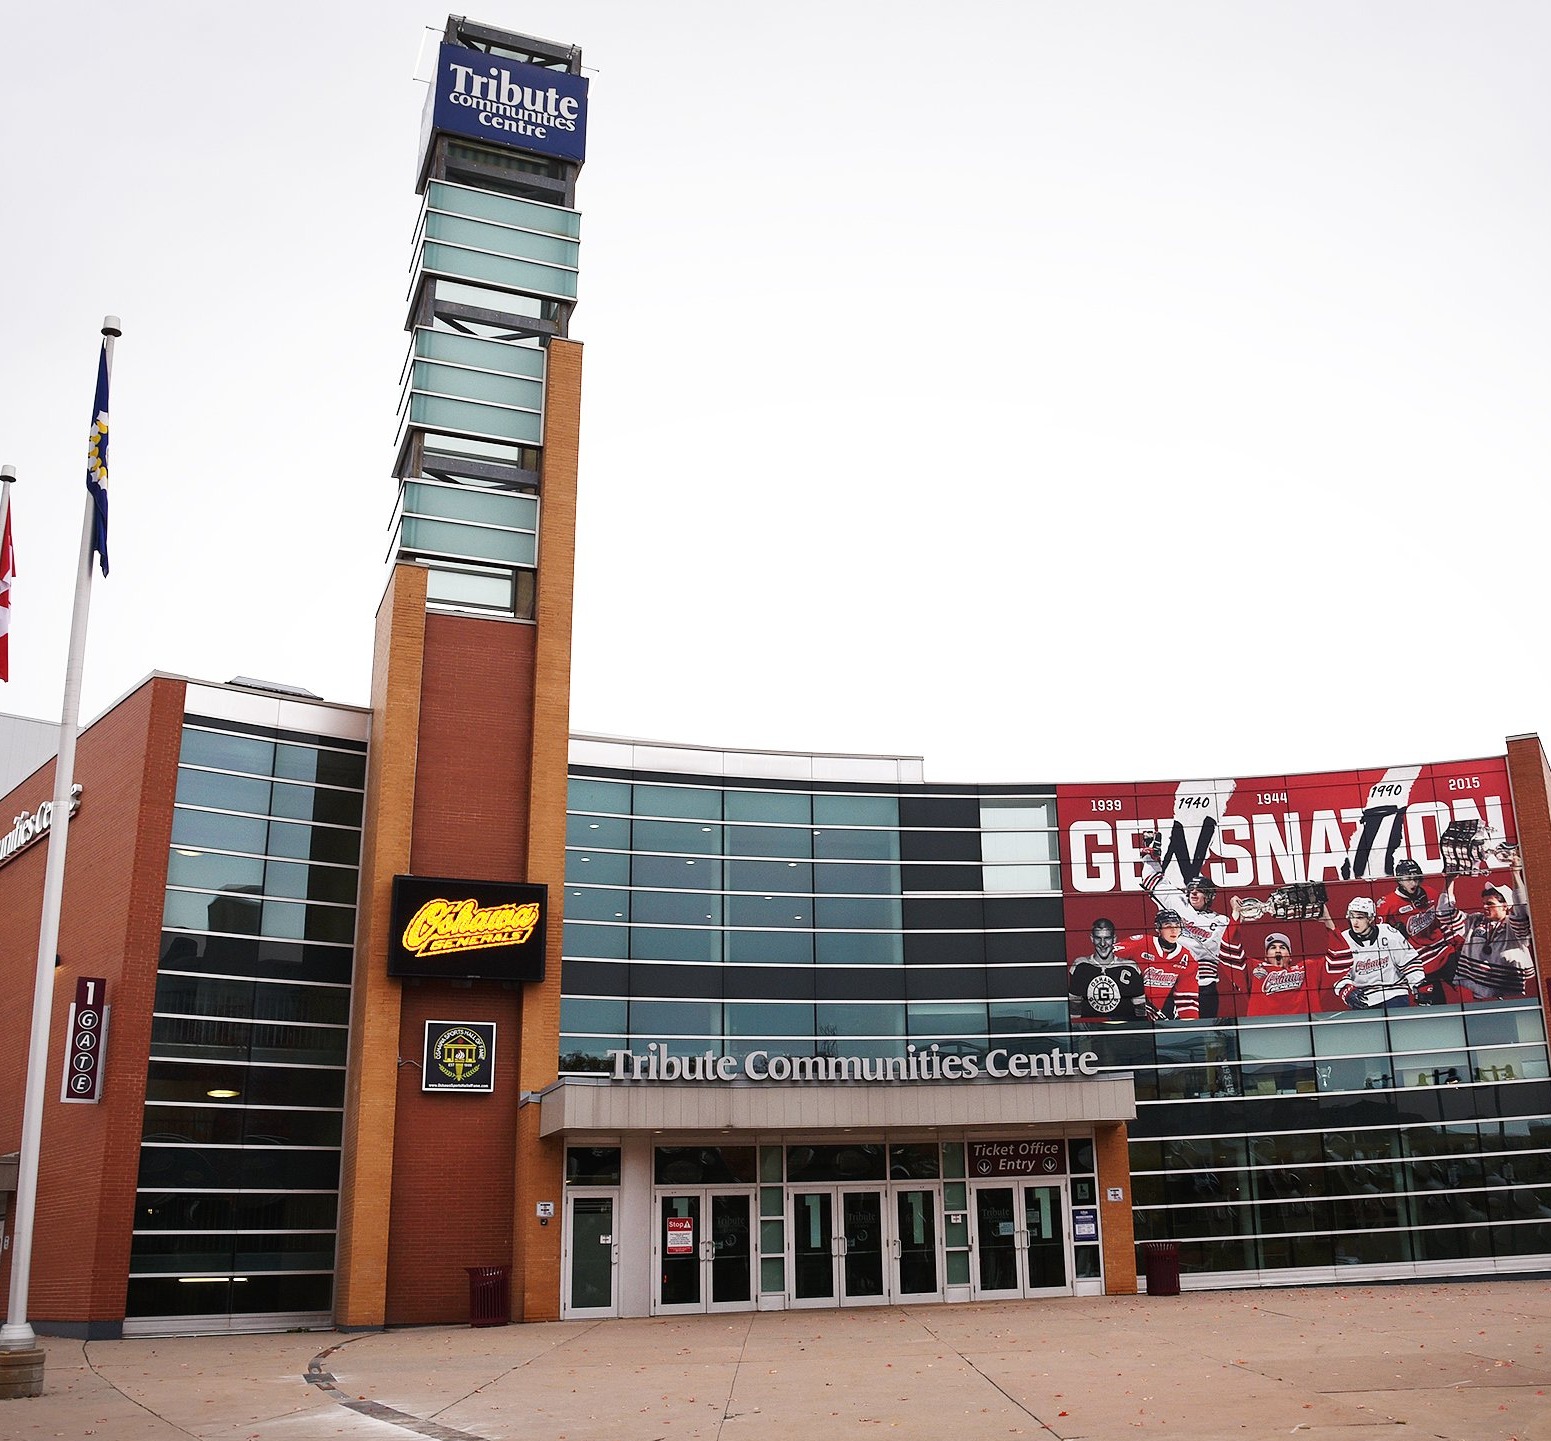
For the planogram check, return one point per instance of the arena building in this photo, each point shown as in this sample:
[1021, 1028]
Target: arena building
[382, 996]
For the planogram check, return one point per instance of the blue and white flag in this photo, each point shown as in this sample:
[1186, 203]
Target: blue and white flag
[97, 462]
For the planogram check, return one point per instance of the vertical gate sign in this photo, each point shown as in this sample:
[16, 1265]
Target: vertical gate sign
[83, 1055]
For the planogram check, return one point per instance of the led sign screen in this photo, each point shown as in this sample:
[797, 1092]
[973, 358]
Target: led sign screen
[467, 930]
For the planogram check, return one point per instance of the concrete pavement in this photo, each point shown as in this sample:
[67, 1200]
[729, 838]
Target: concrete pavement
[1466, 1360]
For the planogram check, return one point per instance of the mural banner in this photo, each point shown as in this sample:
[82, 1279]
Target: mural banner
[1282, 895]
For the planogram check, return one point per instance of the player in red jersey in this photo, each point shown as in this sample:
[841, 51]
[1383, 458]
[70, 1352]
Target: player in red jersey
[1413, 911]
[1168, 970]
[1278, 985]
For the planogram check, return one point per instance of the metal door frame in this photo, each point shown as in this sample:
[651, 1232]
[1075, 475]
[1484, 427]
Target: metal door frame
[934, 1190]
[837, 1191]
[705, 1247]
[568, 1247]
[1019, 1185]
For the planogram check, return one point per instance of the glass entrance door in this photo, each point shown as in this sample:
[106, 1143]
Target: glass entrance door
[839, 1245]
[704, 1251]
[1020, 1243]
[917, 1259]
[863, 1281]
[813, 1248]
[1044, 1239]
[592, 1256]
[995, 1271]
[732, 1251]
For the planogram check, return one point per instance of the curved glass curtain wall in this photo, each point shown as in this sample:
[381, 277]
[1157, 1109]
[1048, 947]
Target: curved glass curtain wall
[735, 916]
[795, 922]
[238, 1190]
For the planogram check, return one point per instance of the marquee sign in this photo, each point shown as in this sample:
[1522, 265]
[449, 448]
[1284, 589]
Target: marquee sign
[467, 930]
[660, 1064]
[506, 102]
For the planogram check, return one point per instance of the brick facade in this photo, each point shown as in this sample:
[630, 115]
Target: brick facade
[111, 919]
[541, 1164]
[371, 1084]
[467, 779]
[1530, 777]
[1113, 1159]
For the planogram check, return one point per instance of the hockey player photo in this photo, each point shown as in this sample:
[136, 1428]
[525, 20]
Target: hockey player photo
[1372, 964]
[1104, 988]
[1202, 926]
[1413, 910]
[1274, 982]
[1494, 961]
[1168, 970]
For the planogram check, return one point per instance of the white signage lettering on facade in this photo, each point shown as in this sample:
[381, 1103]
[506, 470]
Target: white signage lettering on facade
[660, 1064]
[32, 826]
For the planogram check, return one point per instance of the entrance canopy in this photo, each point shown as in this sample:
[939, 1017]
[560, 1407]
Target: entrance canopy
[575, 1106]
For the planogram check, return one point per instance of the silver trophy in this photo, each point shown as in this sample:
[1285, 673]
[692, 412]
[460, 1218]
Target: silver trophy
[1296, 901]
[1473, 849]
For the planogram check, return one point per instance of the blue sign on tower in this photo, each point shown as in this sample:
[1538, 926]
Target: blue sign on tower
[505, 102]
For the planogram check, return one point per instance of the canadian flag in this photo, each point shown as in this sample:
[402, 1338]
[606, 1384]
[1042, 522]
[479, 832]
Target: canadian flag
[7, 571]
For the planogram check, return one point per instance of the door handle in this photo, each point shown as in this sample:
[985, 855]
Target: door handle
[841, 1245]
[895, 1246]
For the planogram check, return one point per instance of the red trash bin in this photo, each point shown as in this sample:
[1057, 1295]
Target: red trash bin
[489, 1295]
[1161, 1261]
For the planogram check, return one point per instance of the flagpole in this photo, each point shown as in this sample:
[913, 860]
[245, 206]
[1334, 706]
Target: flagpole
[7, 480]
[17, 1334]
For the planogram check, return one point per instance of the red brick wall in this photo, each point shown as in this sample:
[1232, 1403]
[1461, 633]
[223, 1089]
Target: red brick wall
[484, 737]
[110, 926]
[371, 1086]
[1530, 778]
[1113, 1156]
[540, 1172]
[454, 1159]
[476, 737]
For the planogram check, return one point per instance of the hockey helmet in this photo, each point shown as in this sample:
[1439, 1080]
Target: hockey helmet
[1206, 887]
[1407, 869]
[1167, 918]
[1361, 906]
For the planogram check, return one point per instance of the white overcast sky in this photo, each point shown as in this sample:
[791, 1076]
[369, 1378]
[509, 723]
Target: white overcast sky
[1077, 391]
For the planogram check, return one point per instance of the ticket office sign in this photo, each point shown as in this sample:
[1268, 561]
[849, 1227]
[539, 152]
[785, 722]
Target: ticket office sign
[1017, 1158]
[87, 1030]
